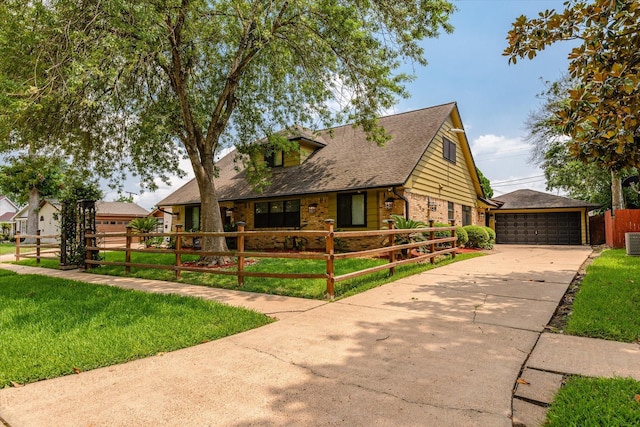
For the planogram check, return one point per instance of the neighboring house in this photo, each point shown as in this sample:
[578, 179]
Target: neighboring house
[48, 219]
[7, 210]
[426, 171]
[160, 216]
[530, 217]
[112, 217]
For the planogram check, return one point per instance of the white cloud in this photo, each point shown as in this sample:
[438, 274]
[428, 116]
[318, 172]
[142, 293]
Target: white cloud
[498, 146]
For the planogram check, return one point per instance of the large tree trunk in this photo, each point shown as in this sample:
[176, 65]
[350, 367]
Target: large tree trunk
[617, 198]
[32, 214]
[210, 218]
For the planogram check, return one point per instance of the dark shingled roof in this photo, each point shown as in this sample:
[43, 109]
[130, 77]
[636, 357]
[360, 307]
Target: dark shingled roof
[347, 162]
[530, 199]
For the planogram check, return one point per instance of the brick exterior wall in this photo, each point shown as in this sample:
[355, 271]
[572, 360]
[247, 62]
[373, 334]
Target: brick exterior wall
[418, 210]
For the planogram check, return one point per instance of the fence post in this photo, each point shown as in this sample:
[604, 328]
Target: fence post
[17, 237]
[330, 248]
[88, 252]
[240, 248]
[432, 236]
[392, 239]
[127, 253]
[178, 249]
[454, 244]
[38, 247]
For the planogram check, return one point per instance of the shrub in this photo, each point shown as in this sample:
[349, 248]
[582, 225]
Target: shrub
[463, 237]
[478, 237]
[144, 225]
[460, 233]
[492, 234]
[403, 223]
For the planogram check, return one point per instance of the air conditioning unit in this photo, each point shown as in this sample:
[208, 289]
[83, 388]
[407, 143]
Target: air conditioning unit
[632, 241]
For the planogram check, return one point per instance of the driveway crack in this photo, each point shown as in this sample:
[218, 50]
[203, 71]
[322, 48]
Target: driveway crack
[315, 373]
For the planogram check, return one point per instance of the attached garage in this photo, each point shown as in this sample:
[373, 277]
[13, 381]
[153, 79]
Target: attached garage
[527, 217]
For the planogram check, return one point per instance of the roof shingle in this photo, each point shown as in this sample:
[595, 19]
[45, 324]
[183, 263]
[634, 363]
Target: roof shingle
[347, 162]
[531, 199]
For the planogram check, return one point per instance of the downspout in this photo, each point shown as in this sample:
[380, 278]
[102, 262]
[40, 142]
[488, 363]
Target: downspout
[406, 202]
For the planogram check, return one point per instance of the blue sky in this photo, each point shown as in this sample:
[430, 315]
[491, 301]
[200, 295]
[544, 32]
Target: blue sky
[494, 97]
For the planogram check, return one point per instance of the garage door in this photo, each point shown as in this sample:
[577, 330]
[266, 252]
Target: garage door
[558, 228]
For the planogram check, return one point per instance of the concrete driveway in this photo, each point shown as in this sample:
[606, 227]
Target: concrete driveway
[441, 348]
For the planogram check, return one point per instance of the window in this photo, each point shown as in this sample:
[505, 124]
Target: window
[274, 158]
[352, 210]
[450, 211]
[449, 150]
[276, 214]
[466, 215]
[192, 218]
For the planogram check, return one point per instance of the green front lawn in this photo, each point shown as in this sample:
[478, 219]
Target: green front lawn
[51, 327]
[606, 306]
[586, 402]
[608, 303]
[304, 288]
[10, 248]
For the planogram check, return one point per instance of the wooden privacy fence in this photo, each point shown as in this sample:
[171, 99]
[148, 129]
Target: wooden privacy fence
[431, 247]
[42, 250]
[624, 221]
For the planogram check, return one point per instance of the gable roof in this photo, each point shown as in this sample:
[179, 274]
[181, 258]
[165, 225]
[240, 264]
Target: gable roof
[8, 200]
[531, 199]
[7, 216]
[24, 211]
[120, 208]
[346, 162]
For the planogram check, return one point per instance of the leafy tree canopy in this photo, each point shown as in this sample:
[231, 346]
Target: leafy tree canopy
[485, 184]
[22, 173]
[550, 150]
[136, 85]
[601, 114]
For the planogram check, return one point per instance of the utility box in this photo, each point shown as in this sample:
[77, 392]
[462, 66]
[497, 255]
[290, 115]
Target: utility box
[632, 241]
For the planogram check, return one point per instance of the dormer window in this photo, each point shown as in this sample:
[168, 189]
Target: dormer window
[274, 158]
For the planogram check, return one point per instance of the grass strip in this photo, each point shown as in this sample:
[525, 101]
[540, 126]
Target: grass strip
[10, 248]
[51, 327]
[302, 288]
[608, 303]
[585, 402]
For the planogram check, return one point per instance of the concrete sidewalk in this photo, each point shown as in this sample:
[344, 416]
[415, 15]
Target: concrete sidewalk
[444, 347]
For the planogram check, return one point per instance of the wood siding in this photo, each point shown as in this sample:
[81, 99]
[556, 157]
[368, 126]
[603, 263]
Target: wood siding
[438, 177]
[305, 151]
[296, 156]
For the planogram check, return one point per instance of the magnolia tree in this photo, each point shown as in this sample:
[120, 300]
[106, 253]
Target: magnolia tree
[137, 85]
[602, 108]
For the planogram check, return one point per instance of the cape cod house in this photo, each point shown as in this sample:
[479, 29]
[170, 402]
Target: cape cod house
[426, 171]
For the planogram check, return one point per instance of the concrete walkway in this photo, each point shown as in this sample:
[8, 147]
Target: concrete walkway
[445, 347]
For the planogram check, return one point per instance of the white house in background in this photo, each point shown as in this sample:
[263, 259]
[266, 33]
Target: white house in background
[7, 210]
[48, 219]
[110, 217]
